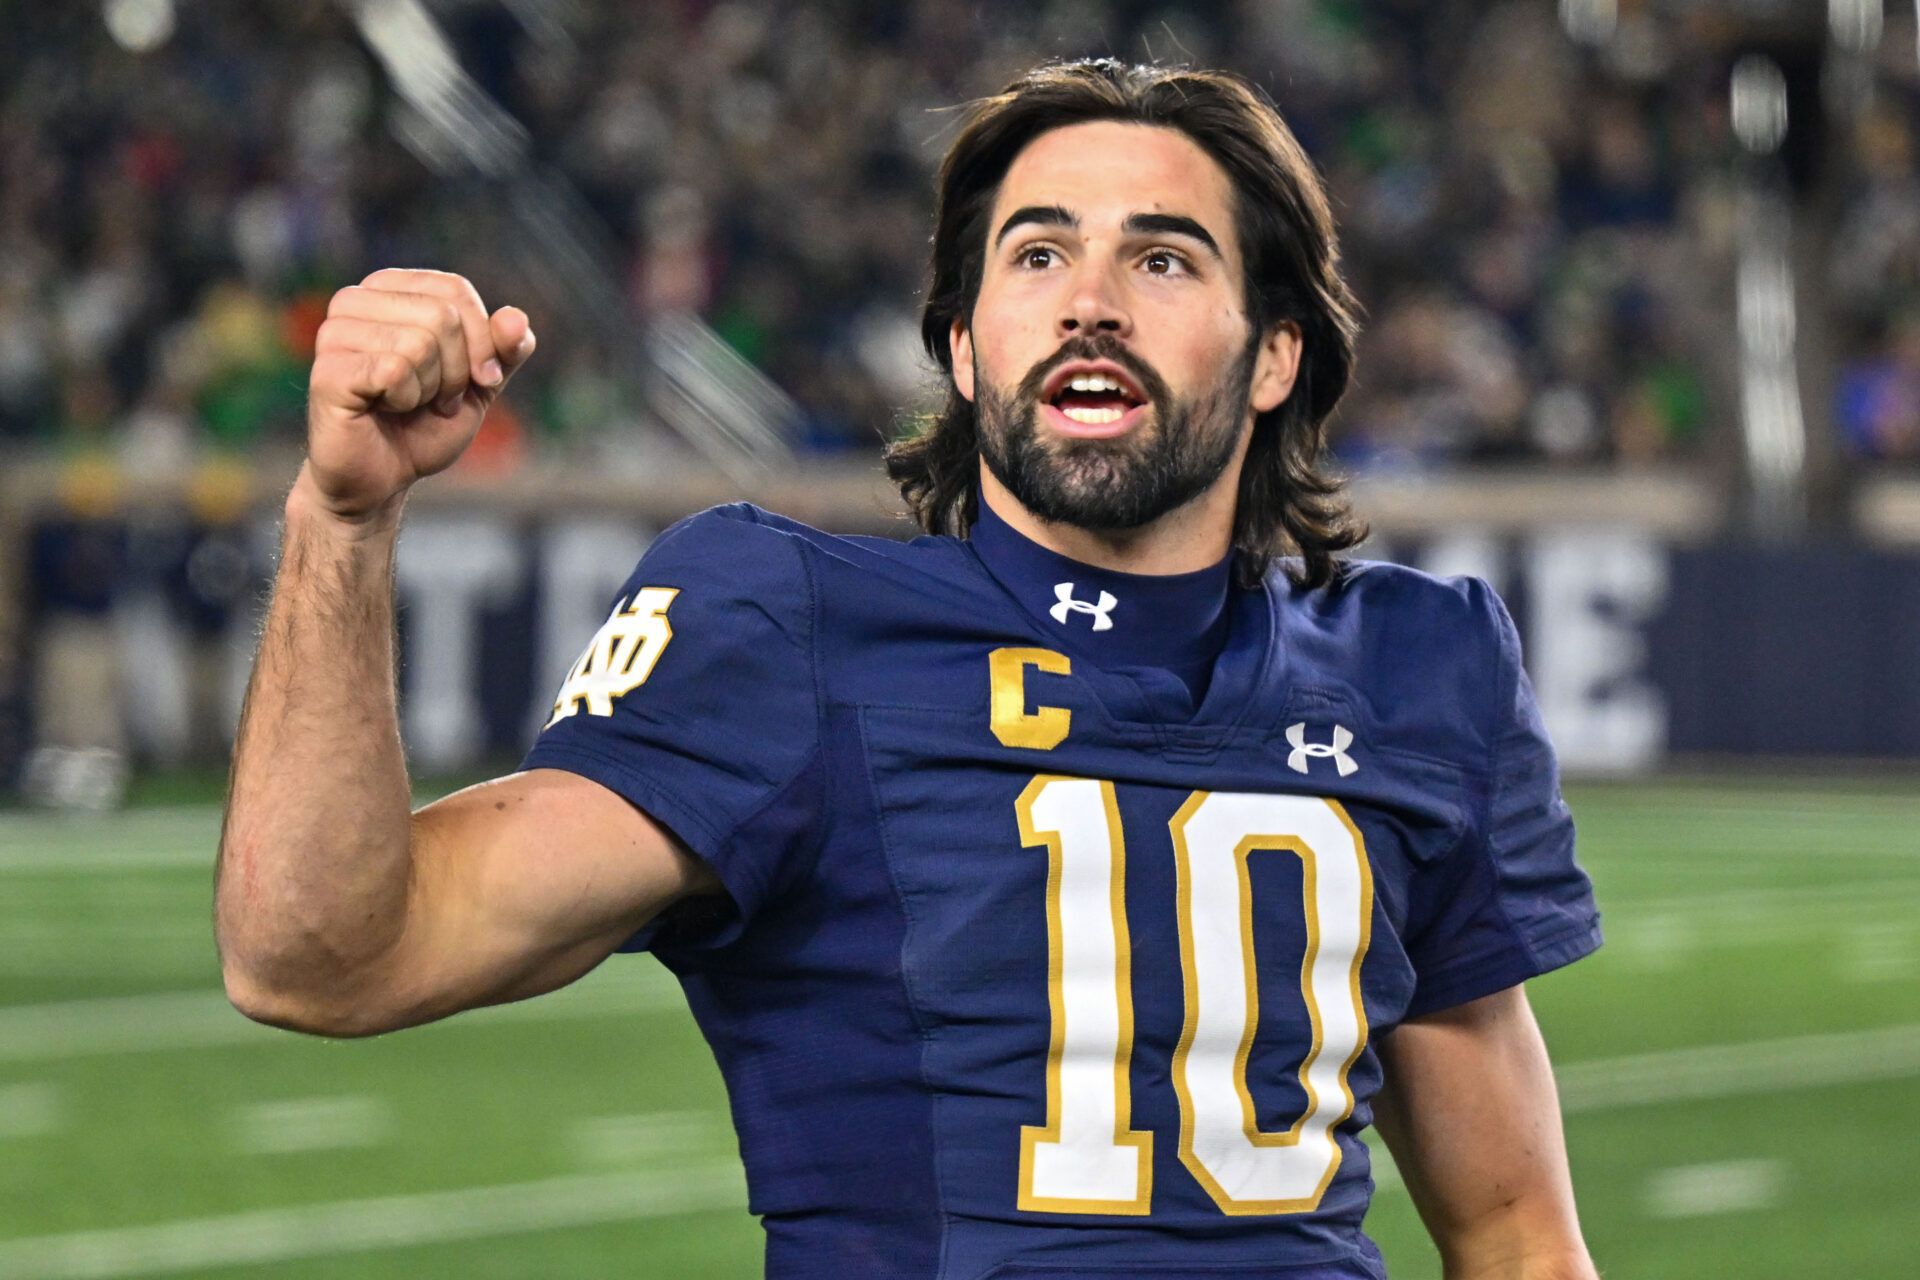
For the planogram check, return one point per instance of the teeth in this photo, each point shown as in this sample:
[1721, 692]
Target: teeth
[1094, 382]
[1092, 417]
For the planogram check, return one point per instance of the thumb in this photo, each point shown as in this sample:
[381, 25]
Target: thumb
[513, 340]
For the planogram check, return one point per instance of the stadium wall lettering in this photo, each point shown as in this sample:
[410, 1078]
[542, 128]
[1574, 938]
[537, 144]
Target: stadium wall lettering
[1640, 651]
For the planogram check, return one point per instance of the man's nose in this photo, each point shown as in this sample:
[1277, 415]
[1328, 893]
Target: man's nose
[1094, 306]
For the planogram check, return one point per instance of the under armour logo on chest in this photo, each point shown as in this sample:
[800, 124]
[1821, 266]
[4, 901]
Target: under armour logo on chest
[1304, 751]
[1063, 591]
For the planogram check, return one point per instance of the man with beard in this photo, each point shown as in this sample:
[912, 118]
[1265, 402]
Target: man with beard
[1062, 892]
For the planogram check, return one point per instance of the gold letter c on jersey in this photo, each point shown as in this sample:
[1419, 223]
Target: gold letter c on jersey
[1042, 729]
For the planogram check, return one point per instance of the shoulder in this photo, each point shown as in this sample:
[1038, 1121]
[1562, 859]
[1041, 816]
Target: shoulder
[756, 558]
[733, 531]
[859, 575]
[1374, 596]
[730, 574]
[735, 551]
[1401, 639]
[738, 528]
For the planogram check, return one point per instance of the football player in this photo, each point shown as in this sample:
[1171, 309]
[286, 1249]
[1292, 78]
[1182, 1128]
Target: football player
[1062, 892]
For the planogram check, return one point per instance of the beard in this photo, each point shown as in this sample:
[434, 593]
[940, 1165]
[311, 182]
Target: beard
[1121, 482]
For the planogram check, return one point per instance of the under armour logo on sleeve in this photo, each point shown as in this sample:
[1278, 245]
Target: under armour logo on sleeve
[1304, 750]
[1063, 591]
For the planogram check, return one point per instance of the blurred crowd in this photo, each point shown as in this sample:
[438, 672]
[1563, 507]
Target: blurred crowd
[1540, 229]
[1540, 206]
[1875, 278]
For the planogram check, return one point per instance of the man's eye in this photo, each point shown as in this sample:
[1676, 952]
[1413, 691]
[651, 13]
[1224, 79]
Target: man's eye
[1162, 262]
[1027, 256]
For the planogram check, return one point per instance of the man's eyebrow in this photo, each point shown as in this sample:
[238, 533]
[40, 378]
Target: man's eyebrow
[1144, 224]
[1046, 215]
[1170, 224]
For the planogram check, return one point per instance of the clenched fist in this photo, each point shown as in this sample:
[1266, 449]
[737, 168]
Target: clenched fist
[405, 367]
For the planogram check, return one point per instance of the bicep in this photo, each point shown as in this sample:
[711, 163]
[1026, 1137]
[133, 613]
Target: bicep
[522, 884]
[1469, 1110]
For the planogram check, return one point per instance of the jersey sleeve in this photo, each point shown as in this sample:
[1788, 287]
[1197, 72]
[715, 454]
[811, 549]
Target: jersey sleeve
[1509, 902]
[697, 702]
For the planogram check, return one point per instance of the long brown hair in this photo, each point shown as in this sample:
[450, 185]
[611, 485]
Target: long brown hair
[1287, 503]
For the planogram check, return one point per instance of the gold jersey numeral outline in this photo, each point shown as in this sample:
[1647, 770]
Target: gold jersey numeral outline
[1243, 1169]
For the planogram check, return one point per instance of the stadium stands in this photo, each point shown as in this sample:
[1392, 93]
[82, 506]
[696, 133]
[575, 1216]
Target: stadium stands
[1547, 212]
[1539, 230]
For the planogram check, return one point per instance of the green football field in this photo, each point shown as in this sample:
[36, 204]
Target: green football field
[1740, 1068]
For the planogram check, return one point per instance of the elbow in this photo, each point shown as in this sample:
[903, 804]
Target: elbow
[302, 982]
[335, 1015]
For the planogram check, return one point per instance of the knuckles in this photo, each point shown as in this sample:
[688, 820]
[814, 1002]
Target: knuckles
[410, 344]
[418, 346]
[423, 282]
[332, 368]
[394, 330]
[385, 296]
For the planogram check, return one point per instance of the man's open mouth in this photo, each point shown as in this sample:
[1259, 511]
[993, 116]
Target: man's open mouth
[1094, 399]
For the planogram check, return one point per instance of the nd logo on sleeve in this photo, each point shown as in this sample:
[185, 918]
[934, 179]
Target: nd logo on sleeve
[620, 657]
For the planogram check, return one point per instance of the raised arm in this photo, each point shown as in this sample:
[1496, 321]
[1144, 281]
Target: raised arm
[338, 911]
[1469, 1110]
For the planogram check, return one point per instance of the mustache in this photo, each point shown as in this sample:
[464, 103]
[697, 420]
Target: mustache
[1098, 347]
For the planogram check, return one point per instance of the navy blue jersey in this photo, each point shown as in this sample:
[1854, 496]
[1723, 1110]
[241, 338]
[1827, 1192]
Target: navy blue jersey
[1028, 967]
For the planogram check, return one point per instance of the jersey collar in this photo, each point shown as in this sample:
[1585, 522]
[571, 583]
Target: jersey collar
[1175, 623]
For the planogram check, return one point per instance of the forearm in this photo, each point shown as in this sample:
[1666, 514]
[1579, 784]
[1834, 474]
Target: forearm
[1469, 1108]
[1515, 1246]
[314, 867]
[1524, 1227]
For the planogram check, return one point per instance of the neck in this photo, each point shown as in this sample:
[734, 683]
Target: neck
[1189, 538]
[1161, 626]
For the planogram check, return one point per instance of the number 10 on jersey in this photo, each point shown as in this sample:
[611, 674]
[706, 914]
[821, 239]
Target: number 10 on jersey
[1088, 1158]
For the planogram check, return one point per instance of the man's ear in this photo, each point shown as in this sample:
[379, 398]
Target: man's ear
[960, 346]
[1276, 366]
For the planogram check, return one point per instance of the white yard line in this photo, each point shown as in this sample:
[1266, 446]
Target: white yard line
[1848, 895]
[1701, 1073]
[1882, 916]
[1708, 846]
[290, 1126]
[352, 1226]
[201, 1019]
[196, 1019]
[1880, 951]
[1714, 800]
[182, 837]
[625, 1142]
[1728, 1186]
[1736, 1070]
[31, 1110]
[163, 857]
